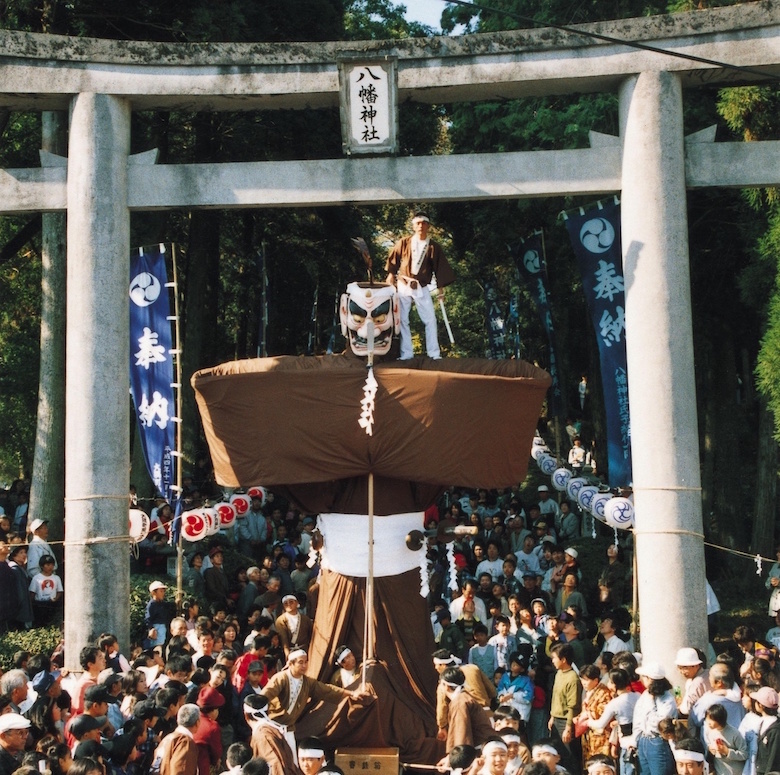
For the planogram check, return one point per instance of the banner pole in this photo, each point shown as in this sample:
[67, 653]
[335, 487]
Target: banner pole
[177, 334]
[368, 648]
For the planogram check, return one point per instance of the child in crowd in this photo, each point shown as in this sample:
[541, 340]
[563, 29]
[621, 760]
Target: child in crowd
[158, 615]
[503, 642]
[482, 654]
[726, 744]
[516, 688]
[46, 591]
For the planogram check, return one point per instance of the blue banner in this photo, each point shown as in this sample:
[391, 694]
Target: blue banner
[494, 321]
[531, 266]
[151, 364]
[595, 237]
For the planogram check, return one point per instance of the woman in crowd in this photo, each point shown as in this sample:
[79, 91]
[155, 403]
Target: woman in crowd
[656, 702]
[595, 696]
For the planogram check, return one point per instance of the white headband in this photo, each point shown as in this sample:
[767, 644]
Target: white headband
[452, 685]
[310, 753]
[344, 654]
[595, 765]
[491, 744]
[687, 756]
[423, 218]
[544, 749]
[295, 653]
[256, 713]
[514, 738]
[453, 660]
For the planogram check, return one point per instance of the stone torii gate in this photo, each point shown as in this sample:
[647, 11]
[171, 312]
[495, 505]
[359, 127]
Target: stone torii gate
[651, 165]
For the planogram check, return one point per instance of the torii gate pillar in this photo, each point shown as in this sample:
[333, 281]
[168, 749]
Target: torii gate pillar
[662, 390]
[97, 422]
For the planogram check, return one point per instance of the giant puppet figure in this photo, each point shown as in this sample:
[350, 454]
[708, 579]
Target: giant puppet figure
[368, 450]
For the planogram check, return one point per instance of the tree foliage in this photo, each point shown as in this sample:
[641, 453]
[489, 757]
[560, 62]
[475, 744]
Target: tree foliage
[733, 239]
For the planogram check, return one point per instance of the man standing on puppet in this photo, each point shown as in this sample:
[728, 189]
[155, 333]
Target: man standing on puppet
[412, 264]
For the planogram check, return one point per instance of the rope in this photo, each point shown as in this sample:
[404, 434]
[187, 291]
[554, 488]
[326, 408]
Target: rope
[618, 41]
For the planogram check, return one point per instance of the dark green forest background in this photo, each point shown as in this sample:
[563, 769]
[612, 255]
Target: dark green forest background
[734, 236]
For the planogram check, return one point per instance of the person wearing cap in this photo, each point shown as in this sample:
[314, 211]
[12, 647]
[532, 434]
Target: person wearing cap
[252, 661]
[289, 691]
[765, 702]
[13, 738]
[411, 266]
[347, 670]
[83, 727]
[294, 628]
[311, 755]
[548, 506]
[477, 683]
[545, 539]
[697, 682]
[216, 582]
[158, 615]
[96, 700]
[39, 528]
[655, 703]
[207, 736]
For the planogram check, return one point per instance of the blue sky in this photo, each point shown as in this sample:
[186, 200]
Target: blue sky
[425, 11]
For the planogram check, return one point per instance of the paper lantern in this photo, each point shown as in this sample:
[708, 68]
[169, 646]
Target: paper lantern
[548, 465]
[194, 526]
[598, 504]
[537, 452]
[619, 512]
[560, 478]
[258, 492]
[241, 503]
[227, 515]
[213, 520]
[574, 485]
[585, 496]
[139, 525]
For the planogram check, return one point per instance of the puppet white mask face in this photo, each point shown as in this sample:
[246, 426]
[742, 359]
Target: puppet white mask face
[363, 303]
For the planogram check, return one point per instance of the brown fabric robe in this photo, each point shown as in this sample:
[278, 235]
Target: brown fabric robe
[181, 756]
[468, 724]
[268, 743]
[477, 684]
[303, 637]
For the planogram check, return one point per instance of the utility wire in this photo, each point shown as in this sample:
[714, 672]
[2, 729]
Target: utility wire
[617, 41]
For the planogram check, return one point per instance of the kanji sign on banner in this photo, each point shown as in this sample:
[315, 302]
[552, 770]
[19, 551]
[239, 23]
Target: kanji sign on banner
[151, 364]
[494, 320]
[532, 268]
[595, 237]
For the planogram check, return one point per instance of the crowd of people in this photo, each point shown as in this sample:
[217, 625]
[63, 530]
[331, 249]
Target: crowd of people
[536, 662]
